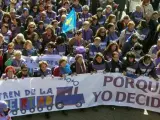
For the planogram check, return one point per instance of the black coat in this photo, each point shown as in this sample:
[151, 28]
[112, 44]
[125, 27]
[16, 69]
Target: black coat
[73, 67]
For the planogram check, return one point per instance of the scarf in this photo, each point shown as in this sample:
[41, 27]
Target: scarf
[80, 69]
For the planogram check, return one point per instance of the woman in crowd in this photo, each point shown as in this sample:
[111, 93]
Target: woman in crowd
[28, 49]
[40, 29]
[9, 73]
[94, 48]
[137, 49]
[61, 48]
[98, 64]
[114, 65]
[79, 66]
[27, 21]
[102, 33]
[19, 41]
[63, 69]
[24, 72]
[94, 24]
[48, 36]
[146, 67]
[34, 11]
[111, 19]
[112, 47]
[130, 65]
[6, 19]
[49, 48]
[43, 70]
[112, 34]
[100, 16]
[84, 15]
[30, 34]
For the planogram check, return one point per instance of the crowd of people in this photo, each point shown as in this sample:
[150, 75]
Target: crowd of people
[104, 39]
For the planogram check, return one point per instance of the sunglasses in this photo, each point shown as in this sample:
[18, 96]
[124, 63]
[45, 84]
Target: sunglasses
[32, 27]
[25, 70]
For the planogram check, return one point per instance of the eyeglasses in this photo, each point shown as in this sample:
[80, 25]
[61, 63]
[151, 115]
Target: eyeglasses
[24, 70]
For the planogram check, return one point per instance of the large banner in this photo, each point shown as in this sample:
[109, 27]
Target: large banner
[36, 95]
[52, 60]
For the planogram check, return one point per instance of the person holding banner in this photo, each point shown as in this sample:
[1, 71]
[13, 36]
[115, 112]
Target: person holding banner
[24, 72]
[79, 66]
[130, 65]
[63, 69]
[9, 73]
[4, 111]
[98, 64]
[146, 67]
[115, 65]
[43, 70]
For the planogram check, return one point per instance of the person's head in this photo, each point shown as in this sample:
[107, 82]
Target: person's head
[24, 69]
[25, 12]
[101, 32]
[145, 2]
[147, 60]
[115, 56]
[62, 62]
[49, 8]
[134, 38]
[4, 28]
[1, 39]
[130, 57]
[111, 27]
[66, 5]
[158, 42]
[12, 13]
[99, 58]
[41, 24]
[13, 2]
[97, 41]
[138, 47]
[138, 8]
[31, 26]
[50, 46]
[10, 71]
[126, 19]
[94, 19]
[17, 54]
[76, 2]
[78, 35]
[28, 45]
[99, 11]
[20, 38]
[131, 26]
[108, 8]
[63, 18]
[79, 58]
[41, 7]
[60, 40]
[111, 18]
[142, 24]
[113, 46]
[155, 15]
[6, 17]
[49, 30]
[86, 25]
[43, 65]
[62, 11]
[10, 47]
[4, 110]
[18, 22]
[35, 8]
[29, 19]
[85, 9]
[54, 23]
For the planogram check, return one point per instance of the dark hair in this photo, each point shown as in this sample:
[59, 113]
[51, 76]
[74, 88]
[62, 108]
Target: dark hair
[130, 54]
[60, 40]
[142, 24]
[110, 25]
[146, 57]
[51, 44]
[24, 66]
[18, 22]
[137, 46]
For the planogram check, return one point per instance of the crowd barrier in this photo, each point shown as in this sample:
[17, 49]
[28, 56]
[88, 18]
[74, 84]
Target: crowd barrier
[37, 95]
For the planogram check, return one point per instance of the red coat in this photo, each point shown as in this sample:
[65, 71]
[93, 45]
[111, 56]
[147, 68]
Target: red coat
[56, 72]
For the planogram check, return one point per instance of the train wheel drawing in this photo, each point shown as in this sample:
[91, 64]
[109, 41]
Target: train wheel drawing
[49, 108]
[40, 109]
[79, 104]
[32, 110]
[59, 105]
[14, 112]
[23, 111]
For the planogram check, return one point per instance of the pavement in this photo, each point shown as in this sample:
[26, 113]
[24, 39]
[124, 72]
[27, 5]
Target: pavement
[97, 113]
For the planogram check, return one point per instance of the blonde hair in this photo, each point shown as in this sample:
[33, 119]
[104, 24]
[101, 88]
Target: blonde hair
[31, 23]
[43, 62]
[17, 52]
[27, 42]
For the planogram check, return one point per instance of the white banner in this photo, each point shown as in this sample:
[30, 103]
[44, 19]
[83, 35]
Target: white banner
[52, 60]
[36, 95]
